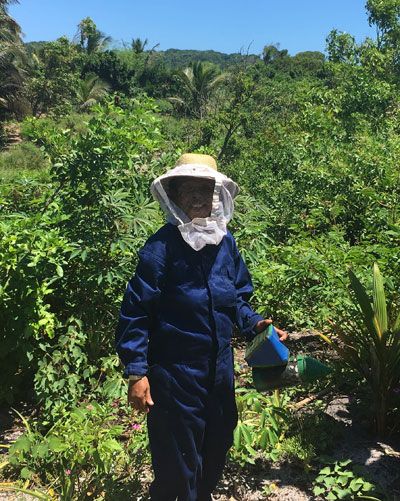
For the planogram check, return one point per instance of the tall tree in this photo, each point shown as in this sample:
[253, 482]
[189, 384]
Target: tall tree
[55, 78]
[341, 47]
[196, 86]
[90, 38]
[138, 45]
[385, 15]
[12, 59]
[272, 52]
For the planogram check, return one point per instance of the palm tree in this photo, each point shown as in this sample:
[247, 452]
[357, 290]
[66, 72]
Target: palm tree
[10, 34]
[12, 59]
[90, 38]
[91, 90]
[197, 84]
[138, 45]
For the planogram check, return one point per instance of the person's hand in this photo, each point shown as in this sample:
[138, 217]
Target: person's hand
[139, 396]
[263, 324]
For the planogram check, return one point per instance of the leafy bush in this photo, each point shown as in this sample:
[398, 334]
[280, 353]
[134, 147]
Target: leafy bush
[22, 157]
[370, 344]
[340, 482]
[261, 426]
[81, 455]
[54, 77]
[69, 261]
[38, 130]
[32, 253]
[65, 375]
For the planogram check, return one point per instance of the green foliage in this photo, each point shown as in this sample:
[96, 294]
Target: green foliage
[341, 47]
[20, 159]
[180, 59]
[297, 449]
[196, 85]
[53, 135]
[109, 66]
[55, 76]
[81, 455]
[32, 254]
[385, 15]
[67, 252]
[65, 374]
[279, 64]
[272, 53]
[12, 59]
[310, 435]
[231, 116]
[261, 426]
[340, 482]
[91, 91]
[91, 39]
[370, 344]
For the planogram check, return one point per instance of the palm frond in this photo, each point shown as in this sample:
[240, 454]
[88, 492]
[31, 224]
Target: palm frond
[364, 303]
[379, 302]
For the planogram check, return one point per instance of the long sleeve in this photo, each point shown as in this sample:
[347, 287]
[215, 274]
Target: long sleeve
[246, 317]
[138, 312]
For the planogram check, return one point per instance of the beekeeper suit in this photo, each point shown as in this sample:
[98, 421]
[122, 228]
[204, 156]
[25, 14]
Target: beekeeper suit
[190, 287]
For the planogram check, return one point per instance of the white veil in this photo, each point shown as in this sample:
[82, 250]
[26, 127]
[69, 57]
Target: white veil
[199, 231]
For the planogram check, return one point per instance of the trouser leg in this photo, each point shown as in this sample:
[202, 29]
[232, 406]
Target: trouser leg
[190, 430]
[175, 458]
[221, 420]
[176, 432]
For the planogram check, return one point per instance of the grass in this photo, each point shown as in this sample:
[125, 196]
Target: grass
[23, 160]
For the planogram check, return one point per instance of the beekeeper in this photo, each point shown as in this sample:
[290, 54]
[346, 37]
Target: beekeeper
[175, 327]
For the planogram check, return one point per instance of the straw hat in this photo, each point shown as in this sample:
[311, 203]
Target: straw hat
[197, 158]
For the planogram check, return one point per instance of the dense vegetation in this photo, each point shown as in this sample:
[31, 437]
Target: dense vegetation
[313, 142]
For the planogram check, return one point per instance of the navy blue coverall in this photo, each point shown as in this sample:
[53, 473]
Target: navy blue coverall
[175, 326]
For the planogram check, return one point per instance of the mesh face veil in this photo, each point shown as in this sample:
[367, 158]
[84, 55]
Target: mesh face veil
[199, 231]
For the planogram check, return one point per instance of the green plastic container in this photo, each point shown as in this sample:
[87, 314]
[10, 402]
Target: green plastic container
[299, 370]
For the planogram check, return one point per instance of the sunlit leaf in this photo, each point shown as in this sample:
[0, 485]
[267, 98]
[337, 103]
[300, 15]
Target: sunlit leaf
[379, 301]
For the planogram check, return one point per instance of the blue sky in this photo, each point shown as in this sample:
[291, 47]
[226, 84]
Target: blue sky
[222, 25]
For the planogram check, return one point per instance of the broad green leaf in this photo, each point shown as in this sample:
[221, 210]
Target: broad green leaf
[111, 445]
[380, 301]
[26, 473]
[263, 440]
[22, 444]
[367, 486]
[342, 493]
[355, 485]
[42, 450]
[247, 434]
[273, 438]
[318, 490]
[237, 436]
[342, 480]
[56, 444]
[364, 303]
